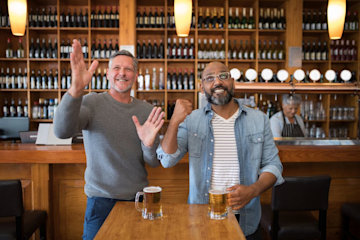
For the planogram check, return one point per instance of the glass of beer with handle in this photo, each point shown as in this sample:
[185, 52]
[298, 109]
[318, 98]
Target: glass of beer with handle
[151, 208]
[218, 208]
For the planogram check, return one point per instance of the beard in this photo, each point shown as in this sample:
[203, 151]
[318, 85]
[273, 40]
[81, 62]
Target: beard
[113, 86]
[220, 100]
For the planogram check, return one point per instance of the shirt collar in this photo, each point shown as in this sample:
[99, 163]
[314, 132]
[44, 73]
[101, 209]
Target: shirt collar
[242, 108]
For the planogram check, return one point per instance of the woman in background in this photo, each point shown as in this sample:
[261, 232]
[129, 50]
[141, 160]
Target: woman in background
[287, 123]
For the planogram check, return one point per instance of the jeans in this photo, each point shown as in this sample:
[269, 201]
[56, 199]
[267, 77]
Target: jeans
[257, 235]
[97, 209]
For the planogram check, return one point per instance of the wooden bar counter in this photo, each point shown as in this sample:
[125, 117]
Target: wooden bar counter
[53, 180]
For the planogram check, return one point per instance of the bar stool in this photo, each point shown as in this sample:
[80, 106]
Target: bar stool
[15, 223]
[289, 215]
[350, 214]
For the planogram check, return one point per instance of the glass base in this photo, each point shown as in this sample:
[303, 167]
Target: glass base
[215, 216]
[152, 216]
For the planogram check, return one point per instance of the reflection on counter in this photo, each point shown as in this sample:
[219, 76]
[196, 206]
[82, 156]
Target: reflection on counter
[317, 142]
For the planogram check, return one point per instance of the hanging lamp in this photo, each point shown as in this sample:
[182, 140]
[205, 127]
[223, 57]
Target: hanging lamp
[336, 12]
[182, 13]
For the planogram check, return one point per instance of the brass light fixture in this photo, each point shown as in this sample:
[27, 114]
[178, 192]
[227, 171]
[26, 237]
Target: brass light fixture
[336, 12]
[17, 14]
[182, 13]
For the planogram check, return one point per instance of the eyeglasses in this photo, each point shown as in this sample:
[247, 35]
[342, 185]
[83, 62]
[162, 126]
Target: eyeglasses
[223, 76]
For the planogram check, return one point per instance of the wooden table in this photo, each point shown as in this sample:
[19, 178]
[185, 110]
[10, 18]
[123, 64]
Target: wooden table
[180, 221]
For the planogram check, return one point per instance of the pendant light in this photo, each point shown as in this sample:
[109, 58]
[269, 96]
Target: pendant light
[182, 12]
[336, 12]
[17, 14]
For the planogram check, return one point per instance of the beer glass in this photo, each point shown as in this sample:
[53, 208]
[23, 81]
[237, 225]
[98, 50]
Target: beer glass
[151, 207]
[218, 204]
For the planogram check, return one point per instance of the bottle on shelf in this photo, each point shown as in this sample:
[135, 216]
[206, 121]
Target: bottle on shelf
[9, 50]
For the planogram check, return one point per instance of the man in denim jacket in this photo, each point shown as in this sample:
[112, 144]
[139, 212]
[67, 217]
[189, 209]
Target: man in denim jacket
[257, 165]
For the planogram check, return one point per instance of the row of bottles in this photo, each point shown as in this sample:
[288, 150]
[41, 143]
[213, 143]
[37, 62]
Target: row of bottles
[99, 80]
[180, 51]
[243, 51]
[105, 17]
[47, 80]
[150, 19]
[149, 50]
[315, 51]
[177, 79]
[43, 18]
[151, 82]
[244, 23]
[317, 20]
[310, 110]
[215, 20]
[207, 50]
[13, 80]
[272, 18]
[341, 50]
[271, 50]
[44, 108]
[12, 110]
[43, 49]
[14, 53]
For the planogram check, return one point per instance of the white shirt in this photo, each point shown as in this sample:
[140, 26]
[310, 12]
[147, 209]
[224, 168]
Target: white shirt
[225, 171]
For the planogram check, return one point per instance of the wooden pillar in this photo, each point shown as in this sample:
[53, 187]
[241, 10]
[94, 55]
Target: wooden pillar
[127, 23]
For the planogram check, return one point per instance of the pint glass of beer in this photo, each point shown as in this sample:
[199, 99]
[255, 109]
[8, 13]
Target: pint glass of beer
[218, 204]
[151, 207]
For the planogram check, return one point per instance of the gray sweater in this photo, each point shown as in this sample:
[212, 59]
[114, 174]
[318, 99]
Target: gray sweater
[115, 155]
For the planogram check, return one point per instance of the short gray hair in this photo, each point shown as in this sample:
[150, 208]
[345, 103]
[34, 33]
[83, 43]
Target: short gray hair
[124, 53]
[288, 99]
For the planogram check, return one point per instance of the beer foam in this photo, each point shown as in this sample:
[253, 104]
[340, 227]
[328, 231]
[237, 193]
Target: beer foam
[217, 191]
[152, 189]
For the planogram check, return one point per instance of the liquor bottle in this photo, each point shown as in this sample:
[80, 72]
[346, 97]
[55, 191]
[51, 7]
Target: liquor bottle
[157, 19]
[318, 51]
[50, 80]
[2, 76]
[43, 48]
[267, 21]
[7, 78]
[273, 19]
[161, 79]
[149, 50]
[161, 50]
[214, 20]
[244, 20]
[13, 77]
[68, 79]
[236, 22]
[221, 19]
[151, 19]
[173, 81]
[44, 80]
[185, 52]
[20, 51]
[173, 49]
[52, 17]
[106, 18]
[85, 49]
[116, 18]
[147, 79]
[207, 19]
[155, 50]
[168, 79]
[140, 80]
[222, 49]
[281, 51]
[185, 82]
[192, 49]
[179, 50]
[19, 109]
[143, 50]
[230, 20]
[251, 20]
[261, 19]
[241, 51]
[145, 19]
[252, 50]
[9, 51]
[230, 49]
[192, 80]
[162, 18]
[200, 19]
[138, 50]
[193, 19]
[93, 18]
[154, 80]
[12, 108]
[234, 51]
[98, 78]
[282, 20]
[180, 80]
[246, 50]
[104, 80]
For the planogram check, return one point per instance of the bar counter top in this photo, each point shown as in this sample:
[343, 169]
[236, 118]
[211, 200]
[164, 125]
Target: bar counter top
[31, 153]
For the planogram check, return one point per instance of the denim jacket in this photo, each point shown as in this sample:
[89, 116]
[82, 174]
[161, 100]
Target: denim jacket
[256, 152]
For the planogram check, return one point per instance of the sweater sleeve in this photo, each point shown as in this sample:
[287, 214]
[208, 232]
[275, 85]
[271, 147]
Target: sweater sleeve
[71, 116]
[149, 153]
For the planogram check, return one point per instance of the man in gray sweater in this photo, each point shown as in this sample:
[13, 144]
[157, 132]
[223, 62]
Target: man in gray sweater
[120, 134]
